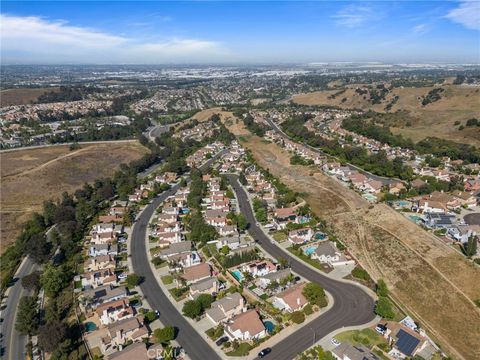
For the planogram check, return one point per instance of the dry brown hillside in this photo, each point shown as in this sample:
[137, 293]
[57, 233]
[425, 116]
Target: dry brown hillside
[28, 177]
[458, 103]
[430, 281]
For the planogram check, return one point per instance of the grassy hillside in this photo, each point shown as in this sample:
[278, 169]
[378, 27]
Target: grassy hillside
[438, 111]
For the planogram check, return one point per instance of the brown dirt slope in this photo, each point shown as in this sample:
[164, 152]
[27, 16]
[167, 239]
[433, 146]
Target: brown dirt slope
[457, 103]
[31, 176]
[22, 96]
[429, 280]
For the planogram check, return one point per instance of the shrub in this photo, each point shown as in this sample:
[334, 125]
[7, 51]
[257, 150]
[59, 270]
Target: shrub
[360, 273]
[315, 294]
[384, 308]
[164, 335]
[308, 310]
[297, 317]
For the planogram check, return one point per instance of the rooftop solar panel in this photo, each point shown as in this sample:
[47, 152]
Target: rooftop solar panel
[406, 343]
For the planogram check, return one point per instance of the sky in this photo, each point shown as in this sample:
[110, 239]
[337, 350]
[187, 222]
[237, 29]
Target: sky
[229, 32]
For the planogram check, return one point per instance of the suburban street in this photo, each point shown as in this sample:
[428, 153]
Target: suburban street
[352, 305]
[195, 346]
[383, 180]
[12, 343]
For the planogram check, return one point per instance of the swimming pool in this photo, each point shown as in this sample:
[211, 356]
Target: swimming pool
[90, 326]
[270, 326]
[310, 250]
[415, 218]
[237, 275]
[320, 236]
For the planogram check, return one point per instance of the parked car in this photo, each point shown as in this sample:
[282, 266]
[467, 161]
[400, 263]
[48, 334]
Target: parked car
[264, 352]
[381, 329]
[335, 342]
[222, 340]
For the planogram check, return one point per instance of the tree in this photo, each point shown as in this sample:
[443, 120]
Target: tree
[381, 288]
[192, 309]
[133, 280]
[38, 248]
[242, 222]
[54, 279]
[27, 315]
[225, 250]
[51, 335]
[297, 317]
[31, 281]
[470, 248]
[315, 294]
[384, 308]
[164, 335]
[205, 301]
[242, 179]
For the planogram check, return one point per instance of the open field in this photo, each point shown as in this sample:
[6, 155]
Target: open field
[429, 280]
[22, 96]
[29, 177]
[457, 103]
[204, 115]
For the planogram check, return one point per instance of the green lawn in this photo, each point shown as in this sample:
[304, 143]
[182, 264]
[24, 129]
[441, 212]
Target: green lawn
[367, 337]
[242, 350]
[167, 279]
[279, 236]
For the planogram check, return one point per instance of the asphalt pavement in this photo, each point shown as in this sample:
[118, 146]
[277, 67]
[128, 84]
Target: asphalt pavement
[352, 305]
[195, 346]
[12, 343]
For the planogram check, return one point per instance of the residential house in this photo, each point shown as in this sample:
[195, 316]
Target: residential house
[113, 311]
[277, 276]
[300, 236]
[258, 267]
[290, 299]
[99, 262]
[103, 294]
[233, 242]
[465, 198]
[372, 186]
[328, 253]
[137, 351]
[246, 326]
[439, 220]
[347, 351]
[196, 272]
[94, 279]
[102, 250]
[123, 331]
[227, 230]
[223, 309]
[395, 188]
[283, 216]
[209, 285]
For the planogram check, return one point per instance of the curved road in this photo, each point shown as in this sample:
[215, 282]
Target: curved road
[352, 305]
[382, 179]
[195, 346]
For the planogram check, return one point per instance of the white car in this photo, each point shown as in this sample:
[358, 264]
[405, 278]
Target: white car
[335, 342]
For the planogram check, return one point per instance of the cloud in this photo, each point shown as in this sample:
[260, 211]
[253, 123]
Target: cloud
[34, 39]
[354, 15]
[467, 14]
[420, 29]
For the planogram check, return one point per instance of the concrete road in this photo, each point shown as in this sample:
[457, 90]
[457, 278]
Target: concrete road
[352, 305]
[382, 179]
[12, 343]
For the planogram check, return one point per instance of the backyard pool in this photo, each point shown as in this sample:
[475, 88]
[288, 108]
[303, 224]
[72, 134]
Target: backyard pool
[403, 203]
[303, 219]
[310, 250]
[415, 218]
[270, 326]
[90, 326]
[237, 275]
[320, 236]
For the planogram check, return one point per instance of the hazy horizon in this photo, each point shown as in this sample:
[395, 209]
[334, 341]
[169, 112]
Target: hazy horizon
[226, 33]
